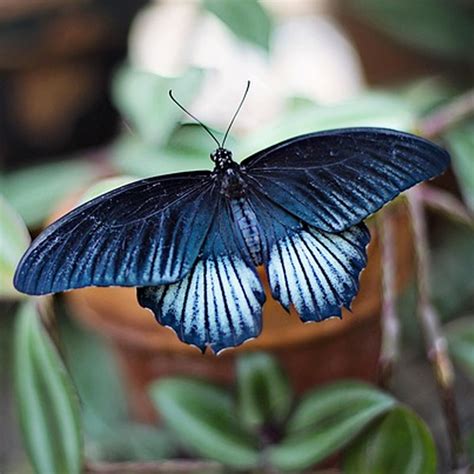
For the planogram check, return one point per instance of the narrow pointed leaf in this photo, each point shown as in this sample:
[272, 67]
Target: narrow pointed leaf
[202, 416]
[400, 444]
[14, 239]
[264, 393]
[96, 376]
[326, 420]
[47, 404]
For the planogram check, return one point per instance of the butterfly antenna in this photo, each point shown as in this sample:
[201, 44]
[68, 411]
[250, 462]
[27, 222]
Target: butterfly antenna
[170, 93]
[236, 113]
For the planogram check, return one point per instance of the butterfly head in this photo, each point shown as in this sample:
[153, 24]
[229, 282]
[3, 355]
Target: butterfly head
[222, 158]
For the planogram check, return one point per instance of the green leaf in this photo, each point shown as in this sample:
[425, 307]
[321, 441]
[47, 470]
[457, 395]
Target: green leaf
[326, 420]
[132, 442]
[460, 335]
[375, 109]
[142, 98]
[14, 239]
[461, 144]
[134, 157]
[97, 378]
[37, 190]
[426, 93]
[399, 444]
[104, 186]
[442, 28]
[188, 148]
[264, 393]
[47, 404]
[247, 19]
[203, 418]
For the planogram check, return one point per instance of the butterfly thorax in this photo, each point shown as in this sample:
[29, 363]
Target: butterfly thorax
[222, 158]
[228, 174]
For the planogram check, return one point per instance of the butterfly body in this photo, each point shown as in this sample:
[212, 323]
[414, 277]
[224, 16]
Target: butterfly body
[191, 242]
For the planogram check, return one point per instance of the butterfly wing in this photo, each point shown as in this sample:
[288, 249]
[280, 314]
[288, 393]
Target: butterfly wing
[315, 271]
[219, 303]
[146, 233]
[332, 180]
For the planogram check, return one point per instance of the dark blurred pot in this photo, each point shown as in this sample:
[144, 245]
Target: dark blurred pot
[311, 353]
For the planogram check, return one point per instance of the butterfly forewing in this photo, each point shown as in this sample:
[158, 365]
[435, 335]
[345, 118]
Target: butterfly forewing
[146, 233]
[332, 180]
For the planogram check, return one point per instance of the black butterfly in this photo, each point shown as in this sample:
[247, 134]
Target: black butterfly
[191, 241]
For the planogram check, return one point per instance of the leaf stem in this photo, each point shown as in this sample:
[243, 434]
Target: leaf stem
[447, 115]
[435, 342]
[445, 202]
[389, 319]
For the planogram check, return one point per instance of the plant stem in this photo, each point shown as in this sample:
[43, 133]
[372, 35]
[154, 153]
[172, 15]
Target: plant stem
[389, 319]
[445, 202]
[435, 342]
[446, 116]
[166, 466]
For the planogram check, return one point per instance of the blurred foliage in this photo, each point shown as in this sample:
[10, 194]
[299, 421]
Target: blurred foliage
[109, 433]
[104, 186]
[48, 408]
[461, 143]
[460, 335]
[264, 392]
[326, 420]
[187, 148]
[376, 109]
[203, 418]
[14, 240]
[439, 27]
[393, 447]
[35, 192]
[246, 19]
[142, 99]
[249, 433]
[452, 279]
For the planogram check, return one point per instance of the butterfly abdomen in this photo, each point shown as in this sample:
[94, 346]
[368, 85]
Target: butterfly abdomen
[247, 223]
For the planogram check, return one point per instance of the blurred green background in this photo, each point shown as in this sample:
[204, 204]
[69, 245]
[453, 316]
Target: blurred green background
[84, 108]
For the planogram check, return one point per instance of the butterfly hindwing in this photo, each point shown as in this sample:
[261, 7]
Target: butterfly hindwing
[318, 272]
[315, 271]
[219, 303]
[147, 232]
[333, 180]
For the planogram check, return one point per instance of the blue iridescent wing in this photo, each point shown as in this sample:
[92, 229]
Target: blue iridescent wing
[146, 233]
[219, 303]
[333, 180]
[315, 271]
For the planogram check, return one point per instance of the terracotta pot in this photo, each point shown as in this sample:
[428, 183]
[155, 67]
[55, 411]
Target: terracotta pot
[311, 353]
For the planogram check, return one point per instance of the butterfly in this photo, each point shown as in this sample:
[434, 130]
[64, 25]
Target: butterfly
[191, 242]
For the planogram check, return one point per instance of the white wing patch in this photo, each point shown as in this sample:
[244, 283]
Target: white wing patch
[218, 304]
[318, 272]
